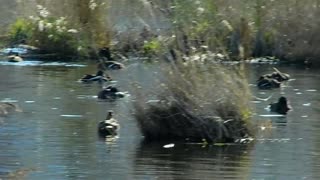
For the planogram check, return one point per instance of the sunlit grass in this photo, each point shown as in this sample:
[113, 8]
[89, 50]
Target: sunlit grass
[196, 102]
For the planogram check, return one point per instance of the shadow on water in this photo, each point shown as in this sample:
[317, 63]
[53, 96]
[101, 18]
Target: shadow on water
[192, 161]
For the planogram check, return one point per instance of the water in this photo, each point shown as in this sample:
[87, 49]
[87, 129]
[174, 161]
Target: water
[55, 136]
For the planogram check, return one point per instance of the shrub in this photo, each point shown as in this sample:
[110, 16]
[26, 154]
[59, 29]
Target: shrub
[152, 47]
[52, 35]
[197, 102]
[20, 31]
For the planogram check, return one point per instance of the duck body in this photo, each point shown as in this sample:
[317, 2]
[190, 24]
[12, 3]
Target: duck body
[114, 65]
[273, 80]
[267, 83]
[14, 58]
[110, 92]
[93, 78]
[280, 76]
[98, 77]
[6, 108]
[281, 106]
[108, 127]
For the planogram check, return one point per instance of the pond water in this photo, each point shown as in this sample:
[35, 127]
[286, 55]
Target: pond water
[55, 136]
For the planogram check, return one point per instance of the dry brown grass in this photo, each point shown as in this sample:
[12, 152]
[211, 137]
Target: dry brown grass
[197, 102]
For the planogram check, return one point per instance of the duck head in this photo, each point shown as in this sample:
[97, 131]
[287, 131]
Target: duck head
[100, 73]
[109, 115]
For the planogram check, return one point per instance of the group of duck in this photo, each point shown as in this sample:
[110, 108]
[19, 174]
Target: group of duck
[274, 80]
[110, 126]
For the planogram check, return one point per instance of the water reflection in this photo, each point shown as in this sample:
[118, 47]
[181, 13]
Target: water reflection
[186, 161]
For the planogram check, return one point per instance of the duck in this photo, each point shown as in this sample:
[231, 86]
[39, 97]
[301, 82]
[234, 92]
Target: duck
[14, 58]
[6, 107]
[279, 76]
[281, 107]
[99, 77]
[114, 65]
[265, 82]
[109, 126]
[110, 92]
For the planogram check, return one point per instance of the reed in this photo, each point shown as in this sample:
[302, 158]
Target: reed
[197, 102]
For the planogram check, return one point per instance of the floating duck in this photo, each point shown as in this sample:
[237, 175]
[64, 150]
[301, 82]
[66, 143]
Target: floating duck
[99, 76]
[267, 83]
[281, 107]
[14, 58]
[109, 126]
[110, 92]
[6, 107]
[114, 65]
[273, 80]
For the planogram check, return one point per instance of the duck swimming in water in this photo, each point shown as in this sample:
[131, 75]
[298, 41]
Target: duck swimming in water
[109, 126]
[114, 65]
[14, 58]
[6, 107]
[281, 107]
[110, 92]
[98, 77]
[277, 75]
[267, 83]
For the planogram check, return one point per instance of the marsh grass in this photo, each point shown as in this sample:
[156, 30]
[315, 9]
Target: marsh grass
[196, 102]
[77, 30]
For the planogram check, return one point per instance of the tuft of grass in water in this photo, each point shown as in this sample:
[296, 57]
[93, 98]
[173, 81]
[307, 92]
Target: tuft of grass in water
[196, 102]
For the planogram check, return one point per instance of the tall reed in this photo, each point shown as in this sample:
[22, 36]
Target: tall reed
[196, 102]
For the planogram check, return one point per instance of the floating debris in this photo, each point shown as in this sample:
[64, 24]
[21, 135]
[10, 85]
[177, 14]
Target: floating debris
[29, 102]
[307, 104]
[271, 115]
[256, 102]
[71, 115]
[168, 146]
[311, 90]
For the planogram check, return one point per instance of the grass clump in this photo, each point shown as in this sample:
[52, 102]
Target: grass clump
[196, 103]
[52, 35]
[78, 32]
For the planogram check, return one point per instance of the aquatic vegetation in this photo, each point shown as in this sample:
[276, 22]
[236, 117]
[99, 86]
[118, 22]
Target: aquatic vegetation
[196, 102]
[20, 30]
[64, 36]
[50, 34]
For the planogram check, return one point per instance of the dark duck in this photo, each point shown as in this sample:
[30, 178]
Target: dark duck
[273, 80]
[281, 107]
[109, 126]
[110, 92]
[267, 83]
[114, 65]
[98, 77]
